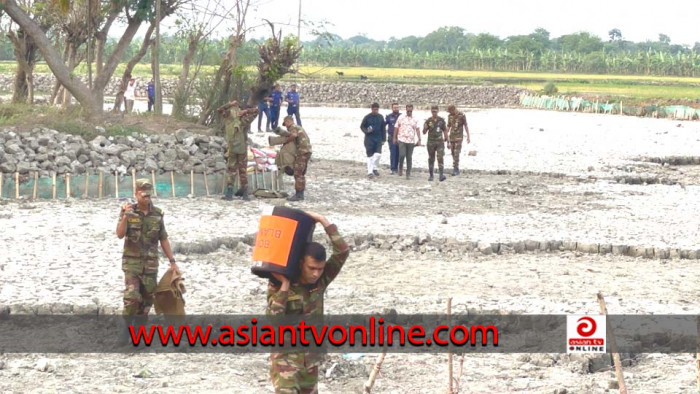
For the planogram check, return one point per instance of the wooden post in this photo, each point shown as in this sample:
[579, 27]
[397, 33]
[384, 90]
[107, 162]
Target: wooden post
[36, 182]
[375, 371]
[263, 179]
[206, 184]
[87, 185]
[223, 183]
[621, 113]
[153, 182]
[133, 181]
[192, 182]
[449, 353]
[99, 186]
[116, 184]
[1, 174]
[67, 185]
[53, 185]
[613, 347]
[16, 185]
[697, 355]
[255, 179]
[172, 181]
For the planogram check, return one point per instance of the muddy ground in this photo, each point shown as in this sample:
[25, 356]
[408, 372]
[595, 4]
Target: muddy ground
[541, 176]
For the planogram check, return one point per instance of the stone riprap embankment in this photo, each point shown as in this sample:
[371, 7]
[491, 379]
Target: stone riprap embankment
[46, 151]
[354, 94]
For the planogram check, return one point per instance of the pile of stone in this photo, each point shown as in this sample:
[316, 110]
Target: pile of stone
[46, 151]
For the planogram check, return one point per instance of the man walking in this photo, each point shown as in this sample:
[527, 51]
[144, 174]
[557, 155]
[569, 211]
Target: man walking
[298, 372]
[456, 126]
[275, 104]
[301, 159]
[292, 99]
[236, 127]
[437, 134]
[407, 136]
[374, 127]
[393, 148]
[151, 90]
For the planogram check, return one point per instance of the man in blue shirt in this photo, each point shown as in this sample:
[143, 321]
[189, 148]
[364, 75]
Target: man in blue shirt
[292, 99]
[374, 127]
[393, 148]
[275, 104]
[151, 89]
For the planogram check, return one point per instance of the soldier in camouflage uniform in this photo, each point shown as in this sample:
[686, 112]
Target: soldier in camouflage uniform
[437, 133]
[301, 160]
[142, 227]
[236, 126]
[298, 372]
[456, 125]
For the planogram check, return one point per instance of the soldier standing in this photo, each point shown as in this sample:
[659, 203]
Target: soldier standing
[142, 227]
[301, 159]
[236, 126]
[298, 372]
[437, 134]
[456, 126]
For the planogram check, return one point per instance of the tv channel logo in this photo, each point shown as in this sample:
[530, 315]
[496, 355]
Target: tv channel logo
[586, 334]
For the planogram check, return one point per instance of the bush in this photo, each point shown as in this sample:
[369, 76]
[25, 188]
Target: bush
[550, 88]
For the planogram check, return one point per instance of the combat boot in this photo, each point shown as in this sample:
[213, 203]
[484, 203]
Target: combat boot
[455, 171]
[442, 176]
[245, 196]
[298, 196]
[240, 192]
[124, 336]
[430, 178]
[229, 194]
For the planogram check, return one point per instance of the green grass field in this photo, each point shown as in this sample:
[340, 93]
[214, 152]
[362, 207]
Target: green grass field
[636, 88]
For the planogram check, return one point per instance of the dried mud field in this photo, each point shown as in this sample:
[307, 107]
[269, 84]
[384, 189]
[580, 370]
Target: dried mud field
[525, 229]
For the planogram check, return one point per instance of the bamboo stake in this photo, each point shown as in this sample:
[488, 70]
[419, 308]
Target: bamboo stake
[375, 371]
[116, 184]
[172, 182]
[449, 354]
[697, 355]
[1, 174]
[133, 180]
[87, 185]
[263, 179]
[67, 185]
[206, 184]
[223, 182]
[16, 185]
[53, 186]
[99, 186]
[192, 182]
[255, 179]
[613, 347]
[36, 181]
[153, 182]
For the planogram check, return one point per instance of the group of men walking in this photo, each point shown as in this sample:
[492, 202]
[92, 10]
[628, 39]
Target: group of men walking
[403, 134]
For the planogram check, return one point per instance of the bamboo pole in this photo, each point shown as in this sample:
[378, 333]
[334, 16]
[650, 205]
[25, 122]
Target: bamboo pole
[697, 355]
[36, 182]
[133, 181]
[375, 371]
[16, 185]
[206, 184]
[449, 353]
[53, 186]
[99, 186]
[87, 185]
[67, 185]
[613, 347]
[192, 182]
[263, 179]
[153, 182]
[255, 179]
[223, 182]
[116, 184]
[172, 182]
[1, 174]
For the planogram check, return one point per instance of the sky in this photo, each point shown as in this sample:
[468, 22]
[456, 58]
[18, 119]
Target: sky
[381, 19]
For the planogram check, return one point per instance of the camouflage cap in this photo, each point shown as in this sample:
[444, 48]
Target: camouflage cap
[144, 184]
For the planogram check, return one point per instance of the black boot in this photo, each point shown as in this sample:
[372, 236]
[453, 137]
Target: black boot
[298, 196]
[124, 335]
[430, 178]
[442, 176]
[229, 194]
[240, 192]
[244, 195]
[455, 171]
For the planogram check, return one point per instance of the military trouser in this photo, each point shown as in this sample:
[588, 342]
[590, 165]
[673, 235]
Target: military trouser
[433, 149]
[294, 373]
[456, 150]
[139, 292]
[300, 163]
[237, 163]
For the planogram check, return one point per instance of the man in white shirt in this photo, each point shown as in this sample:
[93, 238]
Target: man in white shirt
[407, 135]
[130, 95]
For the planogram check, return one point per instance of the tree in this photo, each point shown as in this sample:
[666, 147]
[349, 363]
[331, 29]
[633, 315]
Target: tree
[615, 35]
[486, 41]
[664, 39]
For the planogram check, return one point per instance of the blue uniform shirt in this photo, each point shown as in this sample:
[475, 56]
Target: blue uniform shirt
[276, 98]
[293, 98]
[151, 91]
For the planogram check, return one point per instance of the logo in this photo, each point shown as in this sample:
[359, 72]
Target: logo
[585, 334]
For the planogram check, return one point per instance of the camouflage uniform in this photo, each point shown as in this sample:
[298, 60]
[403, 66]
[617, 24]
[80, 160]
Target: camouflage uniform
[435, 143]
[140, 259]
[298, 372]
[456, 124]
[236, 132]
[301, 160]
